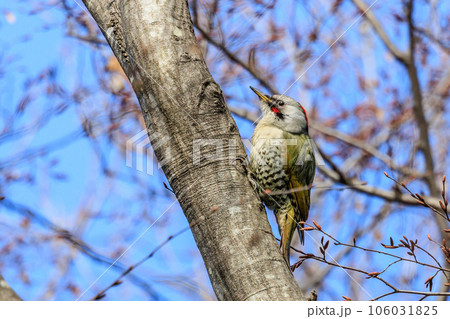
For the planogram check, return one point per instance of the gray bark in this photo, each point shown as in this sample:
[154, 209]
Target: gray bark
[6, 292]
[154, 42]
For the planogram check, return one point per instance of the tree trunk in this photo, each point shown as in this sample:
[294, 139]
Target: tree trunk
[186, 116]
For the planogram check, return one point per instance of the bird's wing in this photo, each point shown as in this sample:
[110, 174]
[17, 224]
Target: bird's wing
[300, 170]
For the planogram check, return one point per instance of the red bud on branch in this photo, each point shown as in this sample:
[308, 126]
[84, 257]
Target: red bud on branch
[317, 225]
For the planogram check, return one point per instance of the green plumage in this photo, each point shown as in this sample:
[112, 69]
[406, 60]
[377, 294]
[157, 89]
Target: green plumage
[281, 166]
[282, 161]
[300, 173]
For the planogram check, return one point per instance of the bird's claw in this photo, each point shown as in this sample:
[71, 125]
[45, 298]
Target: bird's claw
[312, 296]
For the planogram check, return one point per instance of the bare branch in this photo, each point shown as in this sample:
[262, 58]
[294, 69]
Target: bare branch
[433, 38]
[102, 293]
[410, 245]
[77, 243]
[364, 146]
[370, 16]
[6, 292]
[233, 57]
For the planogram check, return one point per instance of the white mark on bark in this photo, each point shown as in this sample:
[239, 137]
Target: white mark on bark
[177, 32]
[109, 32]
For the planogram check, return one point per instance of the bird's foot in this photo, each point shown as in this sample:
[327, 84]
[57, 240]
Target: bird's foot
[312, 296]
[252, 180]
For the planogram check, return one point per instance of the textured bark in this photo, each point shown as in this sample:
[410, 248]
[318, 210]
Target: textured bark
[6, 292]
[155, 44]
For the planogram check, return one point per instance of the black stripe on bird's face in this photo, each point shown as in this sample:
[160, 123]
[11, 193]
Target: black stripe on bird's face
[274, 108]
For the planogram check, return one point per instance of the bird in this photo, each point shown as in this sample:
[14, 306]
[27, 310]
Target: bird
[282, 164]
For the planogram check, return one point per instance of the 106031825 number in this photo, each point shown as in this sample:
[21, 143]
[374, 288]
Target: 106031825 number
[403, 310]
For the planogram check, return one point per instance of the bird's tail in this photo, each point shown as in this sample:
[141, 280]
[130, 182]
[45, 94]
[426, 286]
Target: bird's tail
[301, 234]
[287, 226]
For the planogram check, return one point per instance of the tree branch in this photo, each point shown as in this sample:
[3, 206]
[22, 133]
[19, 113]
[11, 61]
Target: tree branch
[364, 146]
[388, 195]
[102, 293]
[6, 292]
[393, 49]
[76, 242]
[418, 105]
[233, 57]
[407, 60]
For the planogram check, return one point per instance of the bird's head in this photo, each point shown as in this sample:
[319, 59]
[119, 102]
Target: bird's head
[283, 112]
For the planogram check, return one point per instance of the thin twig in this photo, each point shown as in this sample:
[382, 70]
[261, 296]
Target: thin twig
[102, 293]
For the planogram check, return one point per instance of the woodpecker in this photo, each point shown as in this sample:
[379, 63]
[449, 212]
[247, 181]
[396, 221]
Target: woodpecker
[283, 165]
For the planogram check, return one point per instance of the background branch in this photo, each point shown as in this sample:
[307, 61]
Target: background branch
[6, 292]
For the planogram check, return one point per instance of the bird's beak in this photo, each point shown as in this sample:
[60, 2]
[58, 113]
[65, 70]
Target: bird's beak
[261, 95]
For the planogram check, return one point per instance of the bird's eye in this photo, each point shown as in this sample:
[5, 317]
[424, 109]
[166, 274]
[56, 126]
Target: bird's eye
[280, 103]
